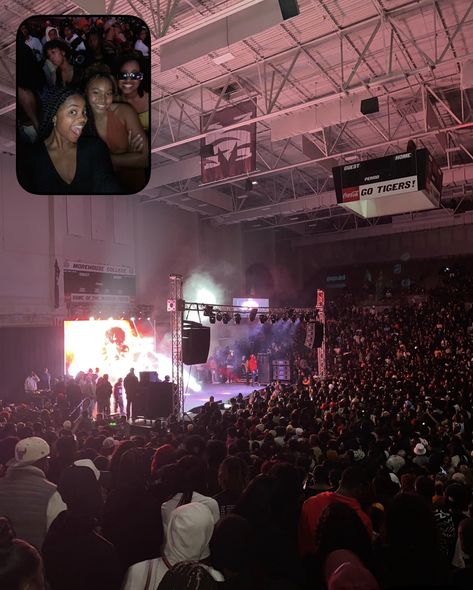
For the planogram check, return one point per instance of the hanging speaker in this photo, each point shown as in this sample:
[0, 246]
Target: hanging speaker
[195, 343]
[369, 106]
[319, 335]
[289, 8]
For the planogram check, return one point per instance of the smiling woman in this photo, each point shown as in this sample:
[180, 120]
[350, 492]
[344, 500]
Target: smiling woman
[118, 125]
[66, 162]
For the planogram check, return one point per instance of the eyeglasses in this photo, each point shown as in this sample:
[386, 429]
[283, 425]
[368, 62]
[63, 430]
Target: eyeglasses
[130, 75]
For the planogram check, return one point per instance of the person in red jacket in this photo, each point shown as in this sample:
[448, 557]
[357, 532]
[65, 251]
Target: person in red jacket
[354, 485]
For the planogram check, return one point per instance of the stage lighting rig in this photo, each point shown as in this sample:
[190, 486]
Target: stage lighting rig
[208, 310]
[219, 316]
[237, 318]
[225, 318]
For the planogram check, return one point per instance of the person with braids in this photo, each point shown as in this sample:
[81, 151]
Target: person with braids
[21, 567]
[64, 161]
[117, 124]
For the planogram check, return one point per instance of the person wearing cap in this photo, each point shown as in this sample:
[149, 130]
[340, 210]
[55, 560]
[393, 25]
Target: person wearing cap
[27, 498]
[353, 486]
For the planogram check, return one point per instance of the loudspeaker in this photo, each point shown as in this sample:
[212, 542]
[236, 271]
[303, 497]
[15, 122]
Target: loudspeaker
[263, 368]
[369, 106]
[195, 343]
[159, 400]
[289, 8]
[148, 377]
[319, 335]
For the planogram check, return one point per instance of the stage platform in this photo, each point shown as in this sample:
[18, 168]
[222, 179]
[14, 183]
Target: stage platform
[221, 392]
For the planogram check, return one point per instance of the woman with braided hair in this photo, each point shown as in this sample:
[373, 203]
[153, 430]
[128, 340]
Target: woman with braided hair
[64, 161]
[21, 567]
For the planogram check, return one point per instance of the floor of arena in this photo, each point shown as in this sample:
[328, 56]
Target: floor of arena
[221, 392]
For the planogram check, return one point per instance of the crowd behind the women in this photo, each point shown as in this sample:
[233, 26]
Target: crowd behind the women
[360, 480]
[103, 63]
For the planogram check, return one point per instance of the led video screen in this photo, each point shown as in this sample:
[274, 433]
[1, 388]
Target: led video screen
[114, 346]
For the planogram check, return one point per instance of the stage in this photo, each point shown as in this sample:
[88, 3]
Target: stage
[221, 392]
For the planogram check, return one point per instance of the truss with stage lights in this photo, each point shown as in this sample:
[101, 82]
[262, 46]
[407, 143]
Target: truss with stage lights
[179, 310]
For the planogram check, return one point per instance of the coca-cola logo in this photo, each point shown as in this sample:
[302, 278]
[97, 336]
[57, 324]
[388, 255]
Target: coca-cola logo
[351, 194]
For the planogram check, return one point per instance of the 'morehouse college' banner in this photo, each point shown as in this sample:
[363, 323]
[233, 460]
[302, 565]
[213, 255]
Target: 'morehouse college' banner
[410, 181]
[234, 151]
[98, 283]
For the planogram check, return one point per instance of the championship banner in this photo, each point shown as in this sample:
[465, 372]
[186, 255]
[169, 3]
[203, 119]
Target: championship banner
[86, 283]
[228, 153]
[399, 183]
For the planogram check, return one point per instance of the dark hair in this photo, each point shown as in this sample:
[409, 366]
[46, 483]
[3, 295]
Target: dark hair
[51, 102]
[233, 474]
[139, 59]
[340, 527]
[57, 44]
[134, 470]
[410, 526]
[80, 490]
[19, 561]
[230, 545]
[188, 575]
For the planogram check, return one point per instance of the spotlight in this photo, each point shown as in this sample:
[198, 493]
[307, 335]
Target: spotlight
[208, 309]
[219, 316]
[274, 318]
[263, 318]
[253, 313]
[225, 318]
[212, 319]
[237, 318]
[91, 319]
[248, 185]
[308, 317]
[132, 318]
[149, 319]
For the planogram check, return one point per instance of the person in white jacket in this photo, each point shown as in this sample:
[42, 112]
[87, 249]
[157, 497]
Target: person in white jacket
[188, 535]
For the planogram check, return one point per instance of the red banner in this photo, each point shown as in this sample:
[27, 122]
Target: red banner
[234, 151]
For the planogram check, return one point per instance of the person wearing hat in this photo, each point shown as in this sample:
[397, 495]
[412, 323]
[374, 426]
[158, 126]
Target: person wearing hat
[421, 459]
[27, 498]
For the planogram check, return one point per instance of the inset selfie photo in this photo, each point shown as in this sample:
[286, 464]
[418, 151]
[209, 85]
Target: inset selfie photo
[83, 104]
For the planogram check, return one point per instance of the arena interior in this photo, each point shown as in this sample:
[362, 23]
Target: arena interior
[256, 372]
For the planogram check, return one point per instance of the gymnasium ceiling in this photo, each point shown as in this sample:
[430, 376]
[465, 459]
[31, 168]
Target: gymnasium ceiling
[209, 54]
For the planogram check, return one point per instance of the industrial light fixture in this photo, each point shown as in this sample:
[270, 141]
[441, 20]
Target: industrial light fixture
[263, 318]
[225, 318]
[237, 318]
[208, 310]
[219, 316]
[212, 319]
[253, 313]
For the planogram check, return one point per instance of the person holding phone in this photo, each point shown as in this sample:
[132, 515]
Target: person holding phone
[65, 162]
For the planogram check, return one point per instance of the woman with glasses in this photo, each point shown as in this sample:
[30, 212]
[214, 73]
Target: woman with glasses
[131, 82]
[117, 124]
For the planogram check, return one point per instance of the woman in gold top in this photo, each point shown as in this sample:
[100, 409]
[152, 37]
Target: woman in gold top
[131, 82]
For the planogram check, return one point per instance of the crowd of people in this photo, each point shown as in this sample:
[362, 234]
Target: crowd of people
[362, 479]
[83, 95]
